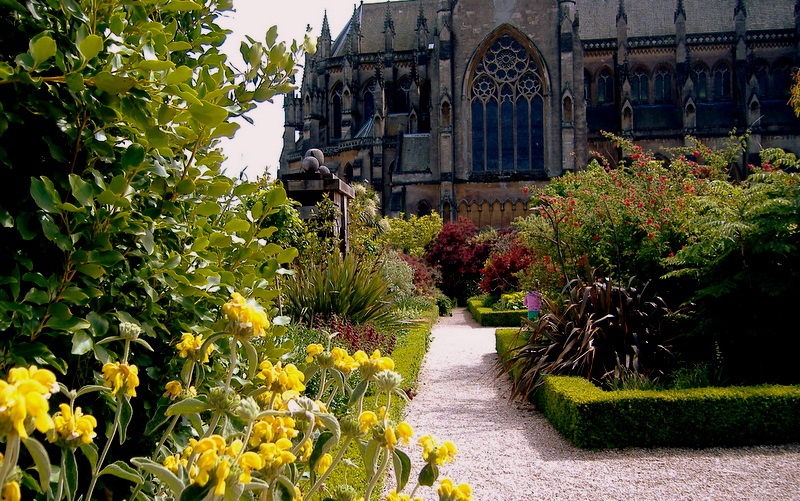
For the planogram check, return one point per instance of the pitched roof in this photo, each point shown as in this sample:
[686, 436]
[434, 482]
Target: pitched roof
[372, 17]
[598, 18]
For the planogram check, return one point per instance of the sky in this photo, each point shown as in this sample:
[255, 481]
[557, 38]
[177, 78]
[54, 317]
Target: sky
[257, 146]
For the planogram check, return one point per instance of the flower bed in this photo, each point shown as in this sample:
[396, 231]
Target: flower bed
[700, 417]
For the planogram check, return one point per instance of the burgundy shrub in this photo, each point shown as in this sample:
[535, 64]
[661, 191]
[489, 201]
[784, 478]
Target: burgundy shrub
[459, 257]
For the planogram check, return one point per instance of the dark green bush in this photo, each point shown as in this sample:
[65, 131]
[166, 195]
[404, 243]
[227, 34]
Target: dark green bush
[703, 417]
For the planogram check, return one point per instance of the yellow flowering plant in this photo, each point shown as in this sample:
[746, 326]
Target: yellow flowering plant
[240, 423]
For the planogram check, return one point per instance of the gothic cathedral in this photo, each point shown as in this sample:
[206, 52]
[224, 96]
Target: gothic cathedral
[456, 106]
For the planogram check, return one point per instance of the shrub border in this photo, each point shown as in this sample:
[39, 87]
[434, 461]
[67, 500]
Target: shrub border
[487, 317]
[592, 418]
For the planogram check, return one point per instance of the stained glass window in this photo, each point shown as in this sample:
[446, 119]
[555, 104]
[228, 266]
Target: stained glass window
[507, 110]
[639, 85]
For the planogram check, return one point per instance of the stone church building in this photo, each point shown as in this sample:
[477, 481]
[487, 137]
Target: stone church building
[456, 106]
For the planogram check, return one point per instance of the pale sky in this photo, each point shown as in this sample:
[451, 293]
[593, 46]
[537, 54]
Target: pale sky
[258, 146]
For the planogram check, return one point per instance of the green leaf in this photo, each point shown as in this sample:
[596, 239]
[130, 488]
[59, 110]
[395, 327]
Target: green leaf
[428, 475]
[81, 343]
[181, 6]
[43, 49]
[13, 4]
[156, 65]
[125, 417]
[44, 194]
[122, 470]
[179, 45]
[185, 186]
[41, 460]
[287, 255]
[133, 156]
[91, 388]
[272, 36]
[322, 445]
[81, 190]
[71, 7]
[227, 129]
[167, 477]
[252, 359]
[371, 457]
[107, 197]
[358, 392]
[75, 82]
[237, 225]
[113, 84]
[206, 209]
[402, 468]
[220, 240]
[93, 270]
[283, 489]
[70, 467]
[187, 406]
[208, 114]
[195, 492]
[330, 422]
[179, 74]
[91, 46]
[90, 451]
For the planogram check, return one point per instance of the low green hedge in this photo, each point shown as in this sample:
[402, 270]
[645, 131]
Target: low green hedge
[488, 317]
[701, 417]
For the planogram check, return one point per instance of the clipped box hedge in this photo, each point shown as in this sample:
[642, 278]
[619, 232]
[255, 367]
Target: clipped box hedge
[488, 317]
[701, 417]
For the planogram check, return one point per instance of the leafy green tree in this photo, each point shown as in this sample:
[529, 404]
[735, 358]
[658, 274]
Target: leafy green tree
[413, 235]
[114, 206]
[743, 266]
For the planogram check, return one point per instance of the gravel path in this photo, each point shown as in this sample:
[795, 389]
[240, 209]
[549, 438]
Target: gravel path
[509, 452]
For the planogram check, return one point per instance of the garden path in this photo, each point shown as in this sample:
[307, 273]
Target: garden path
[509, 452]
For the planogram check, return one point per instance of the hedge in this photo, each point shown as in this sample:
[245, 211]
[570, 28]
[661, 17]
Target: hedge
[700, 417]
[488, 317]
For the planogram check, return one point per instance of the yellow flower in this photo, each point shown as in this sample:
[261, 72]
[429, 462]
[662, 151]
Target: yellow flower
[450, 492]
[11, 492]
[247, 318]
[25, 395]
[343, 361]
[404, 432]
[276, 454]
[72, 426]
[172, 463]
[373, 364]
[432, 452]
[189, 347]
[174, 389]
[223, 469]
[280, 379]
[367, 420]
[313, 350]
[324, 463]
[394, 496]
[247, 462]
[390, 437]
[119, 376]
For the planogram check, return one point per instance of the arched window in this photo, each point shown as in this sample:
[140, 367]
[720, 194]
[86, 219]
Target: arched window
[401, 100]
[336, 111]
[700, 80]
[663, 84]
[782, 78]
[369, 100]
[722, 82]
[605, 87]
[762, 75]
[423, 208]
[639, 86]
[507, 109]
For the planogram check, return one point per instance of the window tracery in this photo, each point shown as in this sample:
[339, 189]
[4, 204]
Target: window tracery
[507, 105]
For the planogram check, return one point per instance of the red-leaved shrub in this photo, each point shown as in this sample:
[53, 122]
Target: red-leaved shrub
[498, 274]
[460, 257]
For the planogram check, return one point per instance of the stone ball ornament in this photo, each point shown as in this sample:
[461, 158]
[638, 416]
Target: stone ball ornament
[310, 165]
